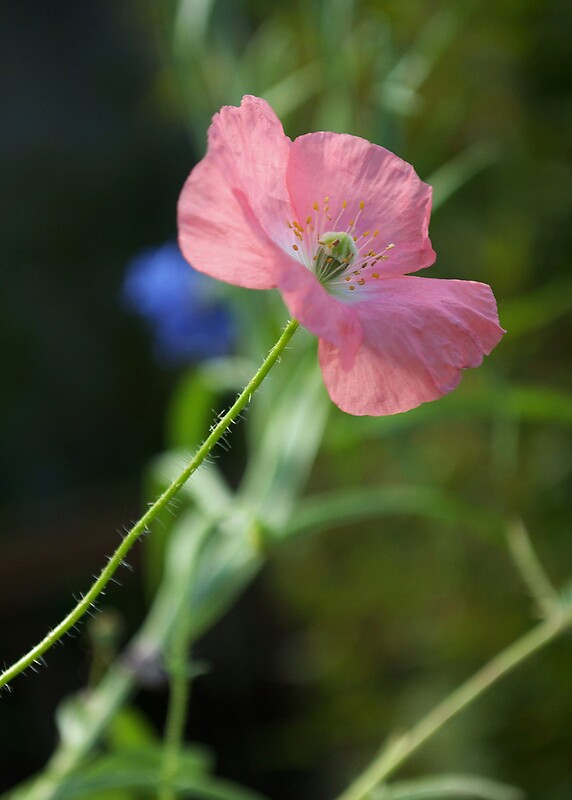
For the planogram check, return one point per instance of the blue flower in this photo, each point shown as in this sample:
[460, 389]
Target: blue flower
[189, 320]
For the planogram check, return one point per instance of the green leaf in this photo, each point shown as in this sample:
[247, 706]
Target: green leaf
[398, 92]
[228, 562]
[523, 403]
[143, 771]
[191, 23]
[450, 177]
[280, 461]
[439, 787]
[536, 309]
[130, 730]
[344, 507]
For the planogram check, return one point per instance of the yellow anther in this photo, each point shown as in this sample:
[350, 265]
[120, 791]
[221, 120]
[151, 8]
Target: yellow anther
[376, 232]
[294, 246]
[297, 226]
[361, 205]
[316, 206]
[344, 204]
[361, 281]
[308, 220]
[375, 274]
[367, 233]
[351, 288]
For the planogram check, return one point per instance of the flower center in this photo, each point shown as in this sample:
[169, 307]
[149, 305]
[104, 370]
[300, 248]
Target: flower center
[336, 251]
[342, 260]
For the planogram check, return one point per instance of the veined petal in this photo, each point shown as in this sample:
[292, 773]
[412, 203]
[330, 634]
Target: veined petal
[321, 313]
[419, 334]
[218, 233]
[234, 207]
[251, 144]
[352, 177]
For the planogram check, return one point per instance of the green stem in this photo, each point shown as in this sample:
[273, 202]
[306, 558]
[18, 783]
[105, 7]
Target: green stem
[179, 682]
[398, 750]
[36, 653]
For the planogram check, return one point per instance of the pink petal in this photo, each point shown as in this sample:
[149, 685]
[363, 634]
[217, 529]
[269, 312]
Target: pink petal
[321, 313]
[254, 149]
[396, 201]
[234, 202]
[419, 333]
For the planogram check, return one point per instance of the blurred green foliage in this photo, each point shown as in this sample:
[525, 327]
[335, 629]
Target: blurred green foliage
[389, 580]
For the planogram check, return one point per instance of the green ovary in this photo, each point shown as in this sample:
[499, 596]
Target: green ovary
[337, 251]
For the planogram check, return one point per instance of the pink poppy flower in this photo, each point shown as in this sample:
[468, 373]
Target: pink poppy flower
[335, 223]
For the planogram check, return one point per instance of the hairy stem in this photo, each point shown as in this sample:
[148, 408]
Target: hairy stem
[36, 653]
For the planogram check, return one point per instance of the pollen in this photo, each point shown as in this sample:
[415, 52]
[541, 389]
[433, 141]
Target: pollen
[375, 274]
[294, 247]
[351, 288]
[361, 281]
[361, 205]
